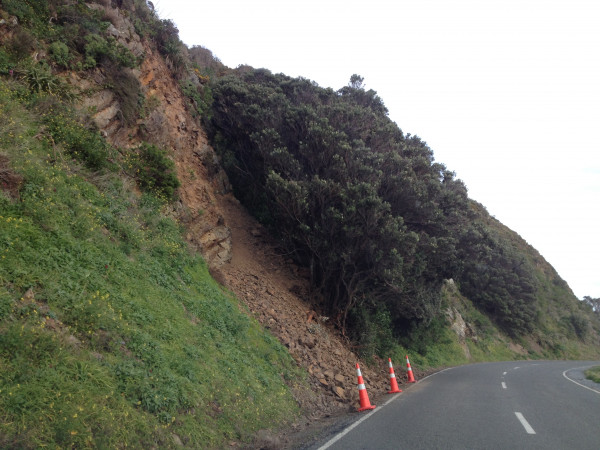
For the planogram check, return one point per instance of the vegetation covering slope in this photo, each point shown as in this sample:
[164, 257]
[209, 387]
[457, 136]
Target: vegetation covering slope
[112, 332]
[379, 222]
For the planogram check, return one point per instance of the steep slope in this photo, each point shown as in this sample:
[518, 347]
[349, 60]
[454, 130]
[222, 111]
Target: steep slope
[242, 258]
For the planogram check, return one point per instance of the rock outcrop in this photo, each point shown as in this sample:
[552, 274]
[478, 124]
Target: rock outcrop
[169, 125]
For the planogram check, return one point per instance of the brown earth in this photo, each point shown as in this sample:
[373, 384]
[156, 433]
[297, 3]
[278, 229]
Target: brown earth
[276, 291]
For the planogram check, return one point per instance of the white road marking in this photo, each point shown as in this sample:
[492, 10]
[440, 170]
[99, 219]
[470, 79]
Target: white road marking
[524, 423]
[587, 387]
[504, 373]
[350, 428]
[503, 385]
[370, 414]
[518, 367]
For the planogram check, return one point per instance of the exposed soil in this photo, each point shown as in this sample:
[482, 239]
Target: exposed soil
[276, 293]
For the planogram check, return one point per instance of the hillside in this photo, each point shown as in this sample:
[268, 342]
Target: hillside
[378, 221]
[152, 295]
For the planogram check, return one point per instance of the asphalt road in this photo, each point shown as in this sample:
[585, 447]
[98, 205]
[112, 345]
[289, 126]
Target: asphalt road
[522, 404]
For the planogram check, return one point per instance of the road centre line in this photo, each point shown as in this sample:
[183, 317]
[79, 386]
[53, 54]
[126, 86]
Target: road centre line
[582, 385]
[503, 385]
[504, 373]
[524, 423]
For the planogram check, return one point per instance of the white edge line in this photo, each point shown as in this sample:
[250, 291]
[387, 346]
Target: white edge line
[503, 385]
[524, 423]
[435, 373]
[341, 434]
[582, 385]
[354, 425]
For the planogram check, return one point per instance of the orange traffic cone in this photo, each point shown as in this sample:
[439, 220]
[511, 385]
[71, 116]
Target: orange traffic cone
[393, 383]
[411, 378]
[365, 404]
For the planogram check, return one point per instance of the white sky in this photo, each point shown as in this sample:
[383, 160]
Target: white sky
[505, 92]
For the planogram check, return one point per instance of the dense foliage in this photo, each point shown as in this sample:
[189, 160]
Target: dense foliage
[378, 221]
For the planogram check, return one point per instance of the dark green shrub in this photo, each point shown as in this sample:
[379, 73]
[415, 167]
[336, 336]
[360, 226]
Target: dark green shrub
[27, 12]
[99, 50]
[59, 53]
[89, 21]
[423, 336]
[580, 325]
[156, 172]
[22, 44]
[199, 98]
[371, 331]
[82, 143]
[127, 89]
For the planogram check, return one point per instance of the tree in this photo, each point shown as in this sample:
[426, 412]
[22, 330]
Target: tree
[356, 82]
[593, 302]
[379, 223]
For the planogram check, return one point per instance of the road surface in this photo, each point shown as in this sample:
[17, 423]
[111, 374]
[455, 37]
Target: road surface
[522, 404]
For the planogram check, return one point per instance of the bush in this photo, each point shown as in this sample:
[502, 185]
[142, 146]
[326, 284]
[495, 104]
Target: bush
[79, 141]
[100, 50]
[199, 98]
[40, 79]
[156, 172]
[26, 11]
[128, 91]
[426, 336]
[581, 325]
[22, 44]
[60, 54]
[593, 374]
[372, 331]
[206, 60]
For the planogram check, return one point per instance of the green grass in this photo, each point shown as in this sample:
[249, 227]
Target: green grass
[112, 333]
[593, 374]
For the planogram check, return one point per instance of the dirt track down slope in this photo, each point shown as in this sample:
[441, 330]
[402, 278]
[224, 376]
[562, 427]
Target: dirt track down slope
[276, 293]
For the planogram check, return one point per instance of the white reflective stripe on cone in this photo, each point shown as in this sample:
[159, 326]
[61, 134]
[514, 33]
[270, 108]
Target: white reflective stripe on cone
[392, 375]
[358, 372]
[361, 387]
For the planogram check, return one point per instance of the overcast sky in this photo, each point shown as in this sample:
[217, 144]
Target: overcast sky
[506, 93]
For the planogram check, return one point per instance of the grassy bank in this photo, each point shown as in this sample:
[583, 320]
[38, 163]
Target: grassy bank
[593, 374]
[112, 333]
